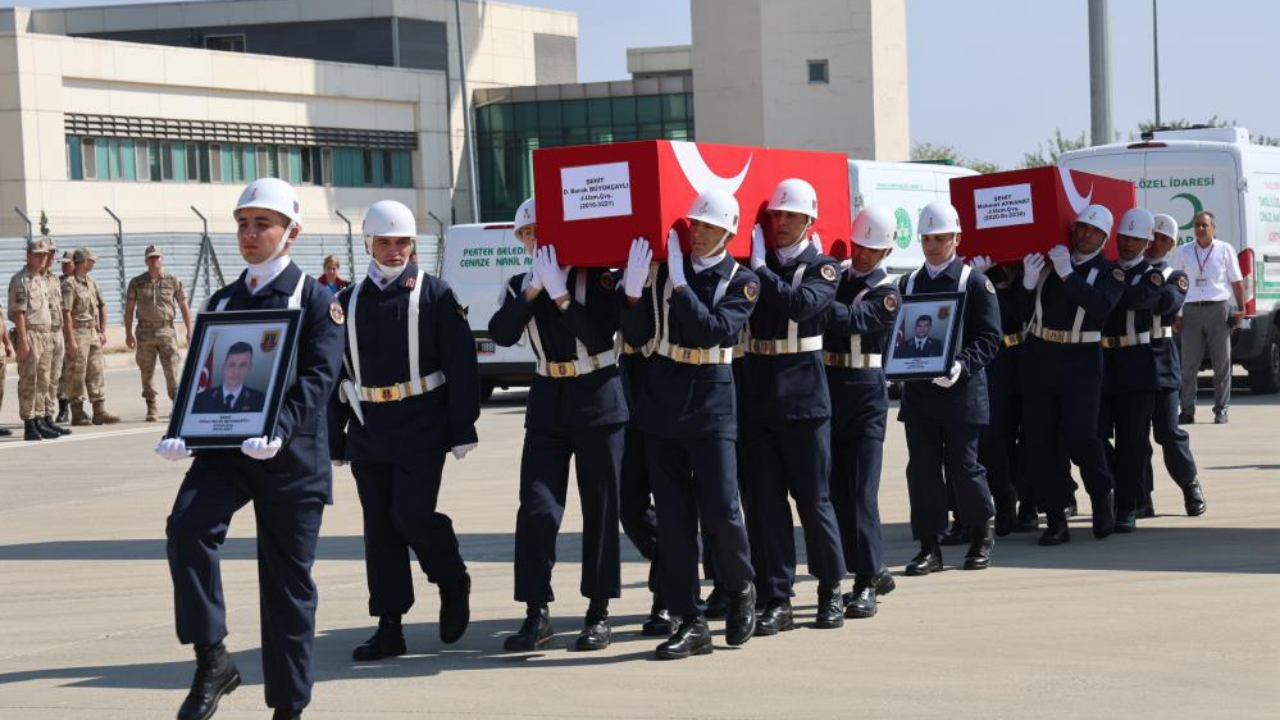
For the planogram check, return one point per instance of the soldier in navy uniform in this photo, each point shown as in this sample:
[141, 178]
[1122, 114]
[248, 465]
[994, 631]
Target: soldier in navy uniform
[1174, 442]
[785, 414]
[1129, 367]
[858, 325]
[1000, 446]
[286, 476]
[576, 410]
[1066, 310]
[690, 318]
[944, 417]
[232, 396]
[399, 410]
[920, 344]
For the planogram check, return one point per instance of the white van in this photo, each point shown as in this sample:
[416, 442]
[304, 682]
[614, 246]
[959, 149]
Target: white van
[477, 262]
[1181, 172]
[906, 187]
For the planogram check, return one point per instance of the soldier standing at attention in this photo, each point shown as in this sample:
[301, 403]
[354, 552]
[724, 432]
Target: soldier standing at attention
[84, 310]
[58, 347]
[60, 380]
[154, 294]
[29, 311]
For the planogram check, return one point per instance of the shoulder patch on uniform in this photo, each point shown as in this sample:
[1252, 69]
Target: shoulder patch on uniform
[829, 272]
[1118, 274]
[751, 290]
[1182, 283]
[1156, 279]
[890, 302]
[991, 288]
[607, 281]
[336, 314]
[410, 282]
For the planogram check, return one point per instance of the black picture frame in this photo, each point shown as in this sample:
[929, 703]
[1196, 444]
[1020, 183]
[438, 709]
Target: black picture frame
[902, 361]
[202, 415]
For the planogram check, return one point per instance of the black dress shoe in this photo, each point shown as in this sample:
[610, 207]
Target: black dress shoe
[216, 675]
[286, 715]
[882, 582]
[1104, 514]
[861, 603]
[1146, 509]
[928, 560]
[455, 611]
[776, 618]
[740, 619]
[830, 608]
[6, 432]
[1006, 513]
[693, 637]
[1028, 520]
[535, 634]
[1186, 418]
[596, 632]
[1056, 531]
[980, 545]
[715, 607]
[1126, 521]
[29, 431]
[1193, 498]
[387, 641]
[658, 624]
[957, 534]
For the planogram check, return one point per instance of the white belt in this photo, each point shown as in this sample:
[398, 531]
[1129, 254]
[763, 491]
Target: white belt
[404, 390]
[849, 360]
[697, 356]
[1160, 332]
[784, 346]
[578, 366]
[1066, 336]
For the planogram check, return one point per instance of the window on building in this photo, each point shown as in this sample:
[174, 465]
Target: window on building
[226, 43]
[818, 72]
[75, 160]
[142, 159]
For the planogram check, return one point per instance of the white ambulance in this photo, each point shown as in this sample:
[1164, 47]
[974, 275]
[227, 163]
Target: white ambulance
[905, 187]
[477, 262]
[1181, 172]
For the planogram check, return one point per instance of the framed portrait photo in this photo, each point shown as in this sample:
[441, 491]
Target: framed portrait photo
[238, 367]
[925, 338]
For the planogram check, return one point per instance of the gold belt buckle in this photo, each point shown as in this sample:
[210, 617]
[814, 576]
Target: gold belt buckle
[692, 356]
[389, 393]
[1012, 339]
[1057, 336]
[563, 369]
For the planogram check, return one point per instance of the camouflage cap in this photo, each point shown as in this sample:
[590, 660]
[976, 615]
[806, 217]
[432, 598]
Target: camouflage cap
[67, 257]
[40, 245]
[154, 251]
[83, 254]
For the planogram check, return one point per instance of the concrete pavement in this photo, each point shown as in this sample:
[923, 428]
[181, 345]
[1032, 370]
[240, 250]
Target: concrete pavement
[1178, 620]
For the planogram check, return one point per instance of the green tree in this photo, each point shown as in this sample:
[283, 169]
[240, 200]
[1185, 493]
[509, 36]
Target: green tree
[1057, 145]
[923, 152]
[44, 224]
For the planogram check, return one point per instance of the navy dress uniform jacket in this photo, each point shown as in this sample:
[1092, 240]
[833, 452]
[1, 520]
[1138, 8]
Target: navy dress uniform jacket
[1173, 293]
[681, 400]
[870, 319]
[592, 400]
[438, 420]
[966, 402]
[1133, 368]
[794, 386]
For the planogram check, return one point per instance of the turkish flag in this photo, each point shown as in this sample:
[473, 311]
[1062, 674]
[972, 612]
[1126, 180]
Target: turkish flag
[206, 372]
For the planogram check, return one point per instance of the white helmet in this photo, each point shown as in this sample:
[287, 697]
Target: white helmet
[1166, 225]
[272, 194]
[388, 218]
[1098, 216]
[526, 214]
[875, 228]
[1137, 223]
[939, 218]
[794, 195]
[715, 207]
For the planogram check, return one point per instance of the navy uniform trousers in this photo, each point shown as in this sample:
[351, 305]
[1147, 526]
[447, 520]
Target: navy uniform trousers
[635, 493]
[288, 492]
[859, 413]
[1175, 443]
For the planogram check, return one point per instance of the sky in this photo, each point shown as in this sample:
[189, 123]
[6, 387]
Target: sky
[996, 78]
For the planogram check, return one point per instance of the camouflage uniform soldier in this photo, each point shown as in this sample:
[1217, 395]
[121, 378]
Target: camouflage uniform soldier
[84, 310]
[4, 361]
[58, 344]
[29, 311]
[60, 380]
[154, 294]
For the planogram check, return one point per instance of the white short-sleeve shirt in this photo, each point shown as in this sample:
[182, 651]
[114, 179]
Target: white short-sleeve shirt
[1210, 271]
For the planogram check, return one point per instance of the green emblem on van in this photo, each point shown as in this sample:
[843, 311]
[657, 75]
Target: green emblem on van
[1196, 208]
[903, 234]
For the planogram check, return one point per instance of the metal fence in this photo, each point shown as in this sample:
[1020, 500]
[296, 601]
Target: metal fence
[120, 259]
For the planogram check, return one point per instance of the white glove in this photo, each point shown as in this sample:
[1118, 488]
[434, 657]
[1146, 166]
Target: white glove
[981, 263]
[554, 278]
[950, 379]
[260, 448]
[817, 243]
[675, 260]
[535, 281]
[173, 449]
[757, 247]
[338, 463]
[460, 451]
[1032, 266]
[637, 267]
[1060, 256]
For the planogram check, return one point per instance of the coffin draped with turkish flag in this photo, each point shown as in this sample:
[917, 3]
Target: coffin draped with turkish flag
[593, 199]
[1007, 215]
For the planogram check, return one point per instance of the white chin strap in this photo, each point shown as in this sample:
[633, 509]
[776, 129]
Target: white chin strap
[280, 246]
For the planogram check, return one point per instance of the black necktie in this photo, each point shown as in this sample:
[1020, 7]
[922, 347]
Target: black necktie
[230, 399]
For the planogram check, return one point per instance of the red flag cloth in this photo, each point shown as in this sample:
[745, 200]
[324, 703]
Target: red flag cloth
[206, 373]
